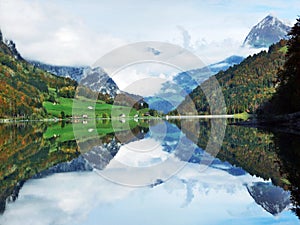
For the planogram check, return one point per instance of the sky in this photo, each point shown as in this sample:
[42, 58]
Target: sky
[65, 32]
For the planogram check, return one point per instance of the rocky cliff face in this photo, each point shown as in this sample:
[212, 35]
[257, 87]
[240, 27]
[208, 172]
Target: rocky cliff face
[268, 31]
[12, 46]
[98, 80]
[9, 47]
[94, 78]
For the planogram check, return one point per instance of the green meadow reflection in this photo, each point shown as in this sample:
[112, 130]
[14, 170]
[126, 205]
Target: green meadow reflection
[26, 149]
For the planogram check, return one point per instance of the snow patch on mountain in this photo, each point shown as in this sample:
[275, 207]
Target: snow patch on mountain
[268, 31]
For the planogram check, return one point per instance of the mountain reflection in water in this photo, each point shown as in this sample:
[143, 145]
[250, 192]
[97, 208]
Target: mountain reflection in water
[65, 189]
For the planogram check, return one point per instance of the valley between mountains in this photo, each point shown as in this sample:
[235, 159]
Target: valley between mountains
[34, 90]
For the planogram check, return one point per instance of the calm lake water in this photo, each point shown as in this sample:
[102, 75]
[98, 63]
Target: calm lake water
[148, 172]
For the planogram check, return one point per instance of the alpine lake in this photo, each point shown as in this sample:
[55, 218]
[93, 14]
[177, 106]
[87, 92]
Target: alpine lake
[148, 171]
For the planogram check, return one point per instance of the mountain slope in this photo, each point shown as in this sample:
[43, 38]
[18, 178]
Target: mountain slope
[74, 72]
[98, 80]
[268, 31]
[225, 64]
[23, 87]
[96, 77]
[245, 86]
[287, 95]
[173, 93]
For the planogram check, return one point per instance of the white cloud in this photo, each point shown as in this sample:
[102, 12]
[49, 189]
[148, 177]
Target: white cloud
[186, 37]
[215, 51]
[76, 32]
[44, 31]
[132, 155]
[190, 197]
[144, 79]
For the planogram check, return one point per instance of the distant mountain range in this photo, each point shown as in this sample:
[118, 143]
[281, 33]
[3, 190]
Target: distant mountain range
[173, 92]
[95, 78]
[225, 64]
[268, 31]
[73, 72]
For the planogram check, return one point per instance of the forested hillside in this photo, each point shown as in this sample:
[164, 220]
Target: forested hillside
[23, 88]
[245, 86]
[286, 99]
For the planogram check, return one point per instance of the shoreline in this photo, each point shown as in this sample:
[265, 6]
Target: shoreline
[287, 123]
[9, 120]
[230, 116]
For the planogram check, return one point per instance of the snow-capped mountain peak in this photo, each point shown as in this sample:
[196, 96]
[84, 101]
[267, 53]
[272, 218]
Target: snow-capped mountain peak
[269, 20]
[268, 31]
[98, 80]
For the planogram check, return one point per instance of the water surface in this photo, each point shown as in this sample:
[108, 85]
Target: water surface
[156, 172]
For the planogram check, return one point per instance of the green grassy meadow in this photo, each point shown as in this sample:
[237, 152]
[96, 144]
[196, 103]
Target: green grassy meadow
[92, 109]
